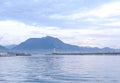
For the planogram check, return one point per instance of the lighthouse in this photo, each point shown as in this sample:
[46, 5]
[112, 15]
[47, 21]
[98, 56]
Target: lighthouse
[54, 51]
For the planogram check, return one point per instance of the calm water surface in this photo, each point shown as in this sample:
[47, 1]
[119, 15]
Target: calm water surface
[60, 69]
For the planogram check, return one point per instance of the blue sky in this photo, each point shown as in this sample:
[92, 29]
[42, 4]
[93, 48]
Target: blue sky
[93, 23]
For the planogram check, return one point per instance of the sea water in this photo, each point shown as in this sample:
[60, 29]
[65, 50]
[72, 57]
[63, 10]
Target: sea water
[60, 69]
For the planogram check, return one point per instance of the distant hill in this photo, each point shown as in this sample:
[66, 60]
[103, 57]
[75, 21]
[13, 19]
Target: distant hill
[49, 43]
[45, 43]
[2, 48]
[10, 46]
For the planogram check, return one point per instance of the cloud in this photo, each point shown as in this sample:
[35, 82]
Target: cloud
[58, 13]
[100, 15]
[79, 22]
[13, 32]
[107, 10]
[104, 11]
[113, 24]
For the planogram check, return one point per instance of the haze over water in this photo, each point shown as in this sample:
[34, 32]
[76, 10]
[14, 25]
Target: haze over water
[60, 69]
[85, 23]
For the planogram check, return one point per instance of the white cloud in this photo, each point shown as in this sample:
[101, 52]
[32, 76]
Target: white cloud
[15, 32]
[101, 12]
[113, 24]
[106, 10]
[12, 32]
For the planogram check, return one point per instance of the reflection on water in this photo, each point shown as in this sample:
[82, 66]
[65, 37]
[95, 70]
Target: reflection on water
[60, 69]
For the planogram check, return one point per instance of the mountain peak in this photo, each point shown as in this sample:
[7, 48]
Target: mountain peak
[47, 42]
[46, 37]
[49, 37]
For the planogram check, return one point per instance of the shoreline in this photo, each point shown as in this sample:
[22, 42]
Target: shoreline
[105, 53]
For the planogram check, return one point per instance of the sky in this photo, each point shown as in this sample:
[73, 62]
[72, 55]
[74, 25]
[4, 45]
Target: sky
[94, 23]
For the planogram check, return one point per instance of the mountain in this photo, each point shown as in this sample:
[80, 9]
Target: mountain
[2, 48]
[10, 46]
[45, 43]
[49, 43]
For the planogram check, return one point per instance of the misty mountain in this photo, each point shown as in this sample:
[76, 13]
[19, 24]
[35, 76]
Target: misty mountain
[2, 48]
[45, 43]
[49, 43]
[10, 46]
